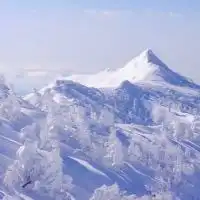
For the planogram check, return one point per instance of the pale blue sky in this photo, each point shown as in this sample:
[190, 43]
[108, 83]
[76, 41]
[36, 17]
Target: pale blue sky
[89, 35]
[164, 5]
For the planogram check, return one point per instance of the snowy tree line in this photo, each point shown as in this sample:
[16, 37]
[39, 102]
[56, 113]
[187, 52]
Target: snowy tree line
[38, 164]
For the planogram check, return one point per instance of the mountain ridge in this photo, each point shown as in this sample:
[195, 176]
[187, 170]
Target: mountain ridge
[146, 67]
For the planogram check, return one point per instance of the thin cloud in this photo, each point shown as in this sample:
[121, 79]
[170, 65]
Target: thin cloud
[105, 13]
[175, 14]
[90, 11]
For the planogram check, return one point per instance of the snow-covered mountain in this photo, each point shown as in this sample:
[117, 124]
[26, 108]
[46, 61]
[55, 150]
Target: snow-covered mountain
[127, 134]
[146, 67]
[132, 94]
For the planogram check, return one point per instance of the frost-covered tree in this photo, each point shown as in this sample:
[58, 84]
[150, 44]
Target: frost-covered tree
[10, 107]
[110, 193]
[113, 193]
[36, 98]
[114, 150]
[38, 165]
[82, 123]
[106, 117]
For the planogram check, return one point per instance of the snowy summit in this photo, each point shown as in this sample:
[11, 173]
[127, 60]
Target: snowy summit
[143, 68]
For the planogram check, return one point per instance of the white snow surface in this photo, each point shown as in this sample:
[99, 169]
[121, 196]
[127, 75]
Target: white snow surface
[89, 167]
[138, 69]
[133, 135]
[147, 67]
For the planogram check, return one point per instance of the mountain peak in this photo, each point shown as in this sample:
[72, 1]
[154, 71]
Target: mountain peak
[147, 53]
[149, 56]
[147, 67]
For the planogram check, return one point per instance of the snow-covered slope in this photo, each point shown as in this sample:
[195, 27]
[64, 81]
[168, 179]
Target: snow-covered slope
[128, 103]
[15, 113]
[135, 131]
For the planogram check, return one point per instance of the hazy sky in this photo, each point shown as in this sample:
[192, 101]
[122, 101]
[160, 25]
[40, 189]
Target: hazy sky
[89, 35]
